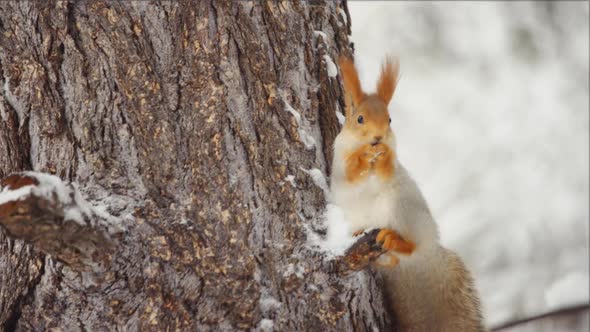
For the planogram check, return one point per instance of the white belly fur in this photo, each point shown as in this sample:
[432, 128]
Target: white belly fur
[366, 205]
[396, 204]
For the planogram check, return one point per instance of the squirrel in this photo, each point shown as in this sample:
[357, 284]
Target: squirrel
[427, 286]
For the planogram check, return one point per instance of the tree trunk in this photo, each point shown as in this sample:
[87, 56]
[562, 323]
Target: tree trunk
[185, 122]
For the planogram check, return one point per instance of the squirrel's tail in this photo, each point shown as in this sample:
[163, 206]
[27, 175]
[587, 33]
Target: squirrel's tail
[440, 297]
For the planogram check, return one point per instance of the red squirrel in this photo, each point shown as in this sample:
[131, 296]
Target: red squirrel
[427, 286]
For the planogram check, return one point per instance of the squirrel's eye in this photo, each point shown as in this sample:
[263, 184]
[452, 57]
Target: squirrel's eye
[360, 119]
[389, 120]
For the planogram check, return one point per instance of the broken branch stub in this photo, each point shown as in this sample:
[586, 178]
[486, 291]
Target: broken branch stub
[364, 251]
[43, 211]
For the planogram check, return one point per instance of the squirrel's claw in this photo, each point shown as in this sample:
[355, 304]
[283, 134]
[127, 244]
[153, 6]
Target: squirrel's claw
[359, 232]
[387, 260]
[375, 156]
[391, 240]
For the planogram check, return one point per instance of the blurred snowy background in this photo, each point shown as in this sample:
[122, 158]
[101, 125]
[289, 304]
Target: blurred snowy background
[492, 119]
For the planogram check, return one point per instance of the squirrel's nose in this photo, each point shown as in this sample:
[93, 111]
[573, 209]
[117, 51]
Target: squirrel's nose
[377, 139]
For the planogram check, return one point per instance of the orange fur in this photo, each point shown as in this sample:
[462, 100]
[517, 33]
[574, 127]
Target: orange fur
[384, 167]
[358, 164]
[352, 84]
[388, 79]
[376, 119]
[368, 159]
[393, 241]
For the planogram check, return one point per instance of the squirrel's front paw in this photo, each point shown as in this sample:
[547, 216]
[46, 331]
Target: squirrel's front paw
[366, 153]
[391, 240]
[383, 161]
[359, 163]
[380, 152]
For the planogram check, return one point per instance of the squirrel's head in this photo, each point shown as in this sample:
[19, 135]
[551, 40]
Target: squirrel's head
[367, 118]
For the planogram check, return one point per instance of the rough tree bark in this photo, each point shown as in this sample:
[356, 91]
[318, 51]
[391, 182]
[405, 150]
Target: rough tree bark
[185, 120]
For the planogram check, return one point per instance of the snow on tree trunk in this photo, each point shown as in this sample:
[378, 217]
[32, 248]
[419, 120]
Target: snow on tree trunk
[193, 124]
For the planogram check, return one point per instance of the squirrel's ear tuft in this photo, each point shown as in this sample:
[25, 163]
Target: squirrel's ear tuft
[388, 79]
[352, 85]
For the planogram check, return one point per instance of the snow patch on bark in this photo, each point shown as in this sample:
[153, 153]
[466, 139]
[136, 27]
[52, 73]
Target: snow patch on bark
[268, 303]
[294, 270]
[341, 118]
[343, 15]
[302, 127]
[13, 102]
[318, 178]
[330, 66]
[266, 325]
[317, 33]
[293, 112]
[291, 179]
[7, 195]
[75, 206]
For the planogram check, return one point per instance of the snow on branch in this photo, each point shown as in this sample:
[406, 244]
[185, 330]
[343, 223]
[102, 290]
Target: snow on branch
[54, 217]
